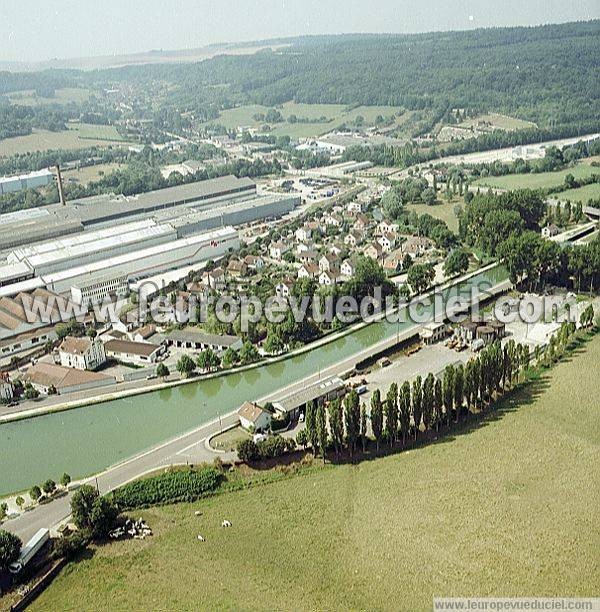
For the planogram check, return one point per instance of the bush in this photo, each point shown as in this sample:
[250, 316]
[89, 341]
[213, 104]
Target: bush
[247, 451]
[72, 546]
[10, 548]
[275, 446]
[177, 486]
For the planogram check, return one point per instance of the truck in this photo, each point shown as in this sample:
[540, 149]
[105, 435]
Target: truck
[29, 551]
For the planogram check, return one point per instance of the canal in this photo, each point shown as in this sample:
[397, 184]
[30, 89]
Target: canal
[86, 440]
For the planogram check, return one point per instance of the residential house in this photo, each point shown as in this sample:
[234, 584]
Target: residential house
[362, 223]
[387, 242]
[237, 268]
[278, 249]
[328, 278]
[356, 207]
[254, 262]
[353, 238]
[387, 227]
[308, 257]
[393, 262]
[416, 245]
[308, 270]
[81, 353]
[550, 230]
[284, 288]
[214, 279]
[303, 234]
[46, 376]
[329, 263]
[433, 332]
[348, 269]
[253, 417]
[374, 251]
[143, 333]
[334, 220]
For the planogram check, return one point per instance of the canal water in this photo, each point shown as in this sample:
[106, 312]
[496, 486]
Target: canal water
[88, 439]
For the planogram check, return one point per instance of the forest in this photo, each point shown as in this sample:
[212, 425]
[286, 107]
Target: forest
[548, 74]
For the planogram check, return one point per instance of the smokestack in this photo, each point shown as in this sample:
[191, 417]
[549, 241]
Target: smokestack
[61, 193]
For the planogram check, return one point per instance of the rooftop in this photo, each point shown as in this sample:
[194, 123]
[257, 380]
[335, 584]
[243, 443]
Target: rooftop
[292, 401]
[144, 349]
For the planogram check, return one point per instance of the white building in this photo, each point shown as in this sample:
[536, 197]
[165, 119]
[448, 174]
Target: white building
[253, 417]
[140, 353]
[81, 353]
[33, 180]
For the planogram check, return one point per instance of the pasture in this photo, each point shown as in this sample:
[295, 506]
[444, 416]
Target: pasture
[507, 506]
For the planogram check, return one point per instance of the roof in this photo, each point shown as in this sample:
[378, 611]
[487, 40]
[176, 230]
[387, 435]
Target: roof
[49, 374]
[192, 334]
[147, 330]
[332, 384]
[251, 411]
[75, 346]
[143, 349]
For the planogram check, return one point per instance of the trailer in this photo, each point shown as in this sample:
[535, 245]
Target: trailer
[29, 551]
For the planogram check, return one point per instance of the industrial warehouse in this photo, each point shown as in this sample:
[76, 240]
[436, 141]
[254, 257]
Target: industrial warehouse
[159, 231]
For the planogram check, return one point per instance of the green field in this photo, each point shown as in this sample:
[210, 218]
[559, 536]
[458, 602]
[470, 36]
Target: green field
[336, 115]
[497, 121]
[86, 175]
[540, 180]
[581, 194]
[508, 507]
[62, 96]
[78, 136]
[443, 211]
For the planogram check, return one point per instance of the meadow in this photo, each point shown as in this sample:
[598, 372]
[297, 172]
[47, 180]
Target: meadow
[77, 136]
[580, 194]
[507, 505]
[335, 115]
[540, 180]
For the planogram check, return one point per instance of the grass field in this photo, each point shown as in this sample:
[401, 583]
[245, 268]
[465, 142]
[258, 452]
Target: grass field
[62, 96]
[443, 211]
[90, 173]
[500, 122]
[78, 136]
[581, 194]
[541, 180]
[506, 507]
[336, 114]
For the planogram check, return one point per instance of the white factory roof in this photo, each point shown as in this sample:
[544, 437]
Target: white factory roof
[104, 244]
[79, 239]
[23, 286]
[10, 271]
[30, 175]
[23, 215]
[218, 234]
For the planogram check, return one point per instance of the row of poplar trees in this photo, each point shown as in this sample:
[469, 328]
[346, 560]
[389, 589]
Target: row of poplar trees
[417, 409]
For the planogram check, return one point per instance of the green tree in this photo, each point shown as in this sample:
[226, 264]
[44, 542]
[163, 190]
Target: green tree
[448, 391]
[35, 493]
[417, 403]
[103, 516]
[352, 419]
[82, 504]
[248, 353]
[10, 548]
[230, 357]
[438, 402]
[185, 365]
[247, 450]
[20, 502]
[302, 438]
[376, 417]
[322, 430]
[65, 480]
[208, 360]
[420, 277]
[311, 426]
[459, 380]
[391, 413]
[457, 262]
[49, 486]
[404, 405]
[363, 426]
[336, 424]
[162, 370]
[428, 401]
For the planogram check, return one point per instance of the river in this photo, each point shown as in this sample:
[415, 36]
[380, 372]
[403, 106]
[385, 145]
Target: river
[86, 440]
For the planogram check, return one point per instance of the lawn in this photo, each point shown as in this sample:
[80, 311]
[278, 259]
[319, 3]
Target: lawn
[87, 174]
[61, 96]
[443, 211]
[336, 115]
[581, 194]
[227, 440]
[508, 507]
[78, 136]
[500, 122]
[540, 180]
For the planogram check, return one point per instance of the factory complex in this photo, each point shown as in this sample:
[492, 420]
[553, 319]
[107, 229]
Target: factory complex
[90, 249]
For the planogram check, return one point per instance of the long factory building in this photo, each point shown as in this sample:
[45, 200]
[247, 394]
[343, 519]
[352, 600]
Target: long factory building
[124, 240]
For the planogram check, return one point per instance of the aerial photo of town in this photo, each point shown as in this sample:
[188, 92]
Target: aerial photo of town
[299, 305]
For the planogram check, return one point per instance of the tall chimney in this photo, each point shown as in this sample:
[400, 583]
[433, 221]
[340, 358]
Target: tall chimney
[61, 193]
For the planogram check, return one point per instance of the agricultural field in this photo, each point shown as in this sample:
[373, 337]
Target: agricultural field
[78, 136]
[495, 121]
[62, 96]
[335, 115]
[581, 194]
[88, 174]
[540, 180]
[508, 506]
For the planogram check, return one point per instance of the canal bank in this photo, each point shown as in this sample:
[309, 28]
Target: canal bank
[87, 441]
